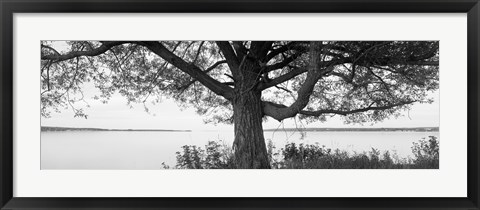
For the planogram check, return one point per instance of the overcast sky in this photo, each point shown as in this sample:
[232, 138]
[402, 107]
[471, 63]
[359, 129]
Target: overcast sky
[168, 115]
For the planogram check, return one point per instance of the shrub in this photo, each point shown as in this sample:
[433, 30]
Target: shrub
[217, 155]
[426, 153]
[190, 158]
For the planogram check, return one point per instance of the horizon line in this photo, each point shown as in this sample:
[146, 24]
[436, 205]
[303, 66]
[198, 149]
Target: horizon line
[232, 127]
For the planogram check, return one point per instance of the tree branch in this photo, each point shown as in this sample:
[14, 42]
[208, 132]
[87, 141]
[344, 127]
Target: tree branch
[343, 76]
[281, 79]
[198, 52]
[385, 61]
[97, 51]
[385, 84]
[281, 64]
[229, 54]
[259, 50]
[293, 73]
[279, 113]
[209, 69]
[340, 112]
[315, 72]
[275, 110]
[422, 63]
[240, 49]
[192, 70]
[50, 48]
[284, 48]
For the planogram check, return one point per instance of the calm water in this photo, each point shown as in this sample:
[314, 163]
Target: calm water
[147, 150]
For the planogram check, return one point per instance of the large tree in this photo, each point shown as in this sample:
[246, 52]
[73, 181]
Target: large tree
[244, 82]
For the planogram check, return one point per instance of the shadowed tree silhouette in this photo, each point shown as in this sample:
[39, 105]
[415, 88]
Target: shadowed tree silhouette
[244, 82]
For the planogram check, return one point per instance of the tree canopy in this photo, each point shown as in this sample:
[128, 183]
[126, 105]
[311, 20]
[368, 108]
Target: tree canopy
[364, 81]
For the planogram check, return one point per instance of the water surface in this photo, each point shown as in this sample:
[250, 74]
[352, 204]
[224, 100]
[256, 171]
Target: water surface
[148, 149]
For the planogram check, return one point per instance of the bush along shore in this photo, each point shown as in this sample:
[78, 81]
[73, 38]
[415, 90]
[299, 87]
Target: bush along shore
[218, 155]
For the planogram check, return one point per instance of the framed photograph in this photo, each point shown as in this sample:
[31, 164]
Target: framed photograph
[239, 105]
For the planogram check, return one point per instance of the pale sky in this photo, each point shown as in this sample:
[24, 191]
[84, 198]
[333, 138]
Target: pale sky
[168, 115]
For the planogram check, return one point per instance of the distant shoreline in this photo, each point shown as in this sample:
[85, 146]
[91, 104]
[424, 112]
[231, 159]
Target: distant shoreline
[48, 128]
[412, 129]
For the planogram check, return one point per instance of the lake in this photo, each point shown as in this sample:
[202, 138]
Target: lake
[148, 149]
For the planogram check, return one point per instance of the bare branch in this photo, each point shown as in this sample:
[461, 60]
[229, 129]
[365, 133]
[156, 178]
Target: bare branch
[284, 89]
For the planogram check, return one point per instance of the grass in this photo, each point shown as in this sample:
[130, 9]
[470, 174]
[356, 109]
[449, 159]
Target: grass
[217, 155]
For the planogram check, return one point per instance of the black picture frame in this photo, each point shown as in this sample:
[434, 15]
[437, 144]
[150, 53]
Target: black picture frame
[9, 7]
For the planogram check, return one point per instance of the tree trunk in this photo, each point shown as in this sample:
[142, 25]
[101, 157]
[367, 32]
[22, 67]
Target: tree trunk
[249, 144]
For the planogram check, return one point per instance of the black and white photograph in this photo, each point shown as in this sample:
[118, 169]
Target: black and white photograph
[208, 104]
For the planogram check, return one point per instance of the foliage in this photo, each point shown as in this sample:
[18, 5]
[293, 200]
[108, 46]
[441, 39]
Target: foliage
[364, 81]
[308, 156]
[426, 152]
[215, 156]
[313, 156]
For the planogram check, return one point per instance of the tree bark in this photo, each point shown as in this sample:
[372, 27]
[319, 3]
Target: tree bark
[249, 144]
